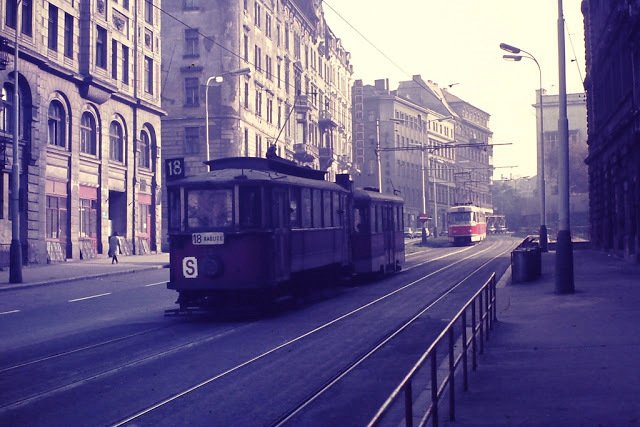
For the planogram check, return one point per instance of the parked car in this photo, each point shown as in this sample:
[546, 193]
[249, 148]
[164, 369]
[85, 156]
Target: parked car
[409, 233]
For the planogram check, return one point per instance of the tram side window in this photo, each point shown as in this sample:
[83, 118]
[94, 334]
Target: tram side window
[250, 208]
[305, 203]
[174, 210]
[294, 207]
[317, 208]
[209, 208]
[361, 220]
[337, 209]
[326, 211]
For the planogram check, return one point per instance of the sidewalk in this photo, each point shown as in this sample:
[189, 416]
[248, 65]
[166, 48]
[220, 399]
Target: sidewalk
[561, 360]
[46, 274]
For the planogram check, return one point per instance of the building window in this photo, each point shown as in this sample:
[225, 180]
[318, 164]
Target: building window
[191, 45]
[88, 218]
[53, 28]
[148, 73]
[144, 157]
[267, 24]
[56, 124]
[125, 65]
[191, 89]
[114, 59]
[88, 134]
[192, 140]
[56, 225]
[257, 57]
[27, 14]
[269, 64]
[144, 218]
[148, 11]
[258, 105]
[246, 95]
[116, 142]
[101, 47]
[68, 35]
[190, 5]
[257, 12]
[246, 48]
[6, 109]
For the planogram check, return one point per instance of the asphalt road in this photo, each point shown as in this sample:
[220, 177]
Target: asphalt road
[101, 352]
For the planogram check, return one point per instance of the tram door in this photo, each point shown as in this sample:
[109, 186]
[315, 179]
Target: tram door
[281, 233]
[389, 240]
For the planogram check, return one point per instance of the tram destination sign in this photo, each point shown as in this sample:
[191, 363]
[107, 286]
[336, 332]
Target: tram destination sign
[210, 238]
[174, 168]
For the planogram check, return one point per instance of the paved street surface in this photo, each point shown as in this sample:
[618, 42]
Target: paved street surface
[559, 360]
[38, 275]
[562, 360]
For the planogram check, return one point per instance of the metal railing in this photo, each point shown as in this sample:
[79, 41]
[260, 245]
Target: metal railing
[483, 316]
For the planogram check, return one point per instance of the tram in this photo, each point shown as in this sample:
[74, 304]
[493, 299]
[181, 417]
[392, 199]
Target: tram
[467, 224]
[256, 227]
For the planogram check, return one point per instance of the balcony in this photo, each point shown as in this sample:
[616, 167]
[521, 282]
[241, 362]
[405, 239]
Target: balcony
[303, 102]
[326, 157]
[304, 153]
[326, 120]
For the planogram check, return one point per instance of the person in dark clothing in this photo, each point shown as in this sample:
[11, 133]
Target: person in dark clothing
[113, 247]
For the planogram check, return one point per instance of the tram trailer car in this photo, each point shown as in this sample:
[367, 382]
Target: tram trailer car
[467, 224]
[254, 227]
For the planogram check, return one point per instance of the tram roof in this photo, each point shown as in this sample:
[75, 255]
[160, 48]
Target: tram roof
[361, 193]
[244, 169]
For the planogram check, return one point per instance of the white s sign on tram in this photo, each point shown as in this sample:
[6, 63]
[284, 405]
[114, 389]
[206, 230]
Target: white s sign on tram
[190, 267]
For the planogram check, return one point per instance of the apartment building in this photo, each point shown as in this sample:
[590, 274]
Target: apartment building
[243, 75]
[88, 101]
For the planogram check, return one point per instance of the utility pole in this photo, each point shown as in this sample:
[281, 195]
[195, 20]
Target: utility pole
[15, 251]
[564, 249]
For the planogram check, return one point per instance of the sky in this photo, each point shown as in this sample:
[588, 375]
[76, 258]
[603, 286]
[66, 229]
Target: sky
[457, 41]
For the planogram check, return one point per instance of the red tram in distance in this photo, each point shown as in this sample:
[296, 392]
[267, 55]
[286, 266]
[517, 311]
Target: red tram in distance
[255, 227]
[467, 224]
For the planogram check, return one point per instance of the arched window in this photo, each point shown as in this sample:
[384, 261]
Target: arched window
[144, 157]
[6, 109]
[56, 124]
[116, 142]
[88, 137]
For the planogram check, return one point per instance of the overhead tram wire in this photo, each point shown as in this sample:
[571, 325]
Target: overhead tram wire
[391, 61]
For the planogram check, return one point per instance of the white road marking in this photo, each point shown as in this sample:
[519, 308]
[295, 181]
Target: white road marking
[155, 284]
[92, 296]
[10, 312]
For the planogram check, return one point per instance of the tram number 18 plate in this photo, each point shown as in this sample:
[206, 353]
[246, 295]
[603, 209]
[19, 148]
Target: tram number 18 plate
[212, 238]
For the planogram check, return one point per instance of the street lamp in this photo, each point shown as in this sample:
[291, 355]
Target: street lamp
[217, 79]
[15, 251]
[517, 55]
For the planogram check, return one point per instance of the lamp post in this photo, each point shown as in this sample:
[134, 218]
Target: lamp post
[564, 249]
[15, 251]
[216, 79]
[516, 55]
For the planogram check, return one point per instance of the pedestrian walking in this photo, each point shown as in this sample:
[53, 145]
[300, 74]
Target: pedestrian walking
[113, 247]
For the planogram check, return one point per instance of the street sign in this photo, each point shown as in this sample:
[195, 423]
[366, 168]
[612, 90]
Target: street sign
[424, 217]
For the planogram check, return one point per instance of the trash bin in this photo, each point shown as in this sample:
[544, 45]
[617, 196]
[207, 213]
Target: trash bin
[526, 263]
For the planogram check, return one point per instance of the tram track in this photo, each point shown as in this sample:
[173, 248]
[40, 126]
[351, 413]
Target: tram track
[189, 345]
[322, 327]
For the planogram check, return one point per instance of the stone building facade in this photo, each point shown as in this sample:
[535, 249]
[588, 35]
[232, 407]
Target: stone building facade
[613, 98]
[416, 128]
[89, 126]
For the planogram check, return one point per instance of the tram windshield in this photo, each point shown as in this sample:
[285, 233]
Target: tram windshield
[209, 208]
[459, 217]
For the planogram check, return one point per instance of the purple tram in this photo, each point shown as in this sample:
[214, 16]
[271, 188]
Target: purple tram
[254, 227]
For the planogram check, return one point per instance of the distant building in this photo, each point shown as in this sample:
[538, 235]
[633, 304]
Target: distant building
[273, 73]
[89, 130]
[578, 151]
[415, 129]
[613, 96]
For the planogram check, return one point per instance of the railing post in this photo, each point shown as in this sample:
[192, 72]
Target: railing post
[408, 405]
[474, 362]
[434, 388]
[487, 313]
[452, 380]
[481, 322]
[465, 372]
[495, 300]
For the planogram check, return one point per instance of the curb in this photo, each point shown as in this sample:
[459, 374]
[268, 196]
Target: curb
[10, 287]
